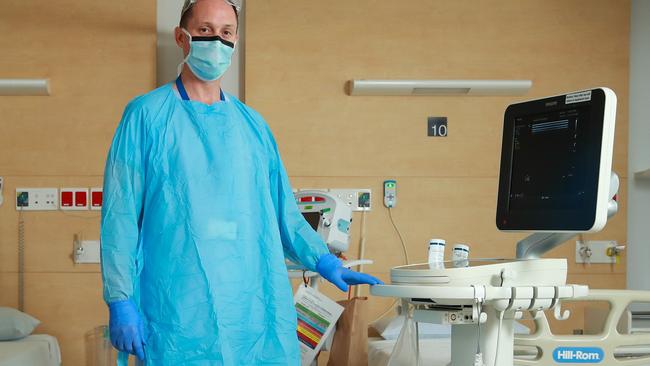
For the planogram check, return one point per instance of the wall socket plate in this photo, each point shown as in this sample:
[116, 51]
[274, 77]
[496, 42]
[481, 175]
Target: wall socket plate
[86, 251]
[359, 199]
[595, 251]
[37, 199]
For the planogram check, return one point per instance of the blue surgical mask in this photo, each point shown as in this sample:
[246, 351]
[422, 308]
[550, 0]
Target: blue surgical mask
[209, 57]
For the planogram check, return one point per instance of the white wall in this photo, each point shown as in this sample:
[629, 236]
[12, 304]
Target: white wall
[169, 55]
[638, 275]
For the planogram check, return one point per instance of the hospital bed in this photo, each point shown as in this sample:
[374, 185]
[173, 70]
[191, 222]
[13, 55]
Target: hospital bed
[34, 350]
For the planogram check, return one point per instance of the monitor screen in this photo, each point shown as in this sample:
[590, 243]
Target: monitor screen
[550, 160]
[313, 218]
[551, 163]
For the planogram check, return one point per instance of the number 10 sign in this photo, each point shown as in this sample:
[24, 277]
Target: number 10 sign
[437, 126]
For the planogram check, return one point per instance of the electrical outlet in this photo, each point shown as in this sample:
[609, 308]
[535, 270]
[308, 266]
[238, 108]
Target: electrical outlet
[86, 251]
[37, 199]
[363, 200]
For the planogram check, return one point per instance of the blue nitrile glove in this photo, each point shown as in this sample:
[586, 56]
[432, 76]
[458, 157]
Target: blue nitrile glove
[126, 328]
[331, 268]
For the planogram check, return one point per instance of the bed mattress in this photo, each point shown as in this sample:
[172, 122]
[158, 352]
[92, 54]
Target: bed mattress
[35, 350]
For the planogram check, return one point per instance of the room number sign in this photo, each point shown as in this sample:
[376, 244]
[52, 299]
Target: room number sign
[437, 126]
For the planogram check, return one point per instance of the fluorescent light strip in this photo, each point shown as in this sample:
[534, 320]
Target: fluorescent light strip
[22, 87]
[439, 87]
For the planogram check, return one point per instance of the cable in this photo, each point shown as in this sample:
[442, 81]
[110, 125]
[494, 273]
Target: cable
[362, 248]
[401, 239]
[388, 310]
[406, 259]
[478, 357]
[496, 355]
[478, 342]
[21, 260]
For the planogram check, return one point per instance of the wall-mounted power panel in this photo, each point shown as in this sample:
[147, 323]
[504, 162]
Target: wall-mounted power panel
[37, 199]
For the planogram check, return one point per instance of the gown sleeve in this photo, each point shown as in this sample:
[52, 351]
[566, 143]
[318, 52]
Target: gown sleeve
[123, 197]
[300, 242]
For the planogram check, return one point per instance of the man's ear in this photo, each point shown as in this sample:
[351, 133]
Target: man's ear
[180, 37]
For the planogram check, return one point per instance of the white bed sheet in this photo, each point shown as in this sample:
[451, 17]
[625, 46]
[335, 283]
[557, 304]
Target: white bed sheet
[434, 351]
[34, 350]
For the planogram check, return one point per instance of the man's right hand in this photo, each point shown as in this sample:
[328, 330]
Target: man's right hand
[126, 328]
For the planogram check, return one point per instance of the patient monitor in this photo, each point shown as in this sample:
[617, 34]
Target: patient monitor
[555, 180]
[328, 216]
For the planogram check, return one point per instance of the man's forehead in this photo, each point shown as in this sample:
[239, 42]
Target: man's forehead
[190, 3]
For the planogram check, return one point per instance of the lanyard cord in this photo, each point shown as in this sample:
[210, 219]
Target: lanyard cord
[183, 92]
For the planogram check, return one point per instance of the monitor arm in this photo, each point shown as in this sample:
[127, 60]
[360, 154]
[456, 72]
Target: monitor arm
[535, 245]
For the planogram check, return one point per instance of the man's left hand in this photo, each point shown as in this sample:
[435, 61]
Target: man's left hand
[331, 268]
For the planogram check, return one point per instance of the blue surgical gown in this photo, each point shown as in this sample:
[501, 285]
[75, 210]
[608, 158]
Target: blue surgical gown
[198, 218]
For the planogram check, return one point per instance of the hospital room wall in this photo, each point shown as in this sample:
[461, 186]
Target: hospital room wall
[299, 56]
[639, 153]
[97, 55]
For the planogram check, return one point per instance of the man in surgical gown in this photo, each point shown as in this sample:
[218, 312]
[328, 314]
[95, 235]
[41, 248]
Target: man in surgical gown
[198, 217]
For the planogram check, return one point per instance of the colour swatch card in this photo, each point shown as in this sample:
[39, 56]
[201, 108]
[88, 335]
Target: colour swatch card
[317, 315]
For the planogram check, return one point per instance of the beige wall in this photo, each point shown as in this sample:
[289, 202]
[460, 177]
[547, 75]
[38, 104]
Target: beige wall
[300, 54]
[97, 55]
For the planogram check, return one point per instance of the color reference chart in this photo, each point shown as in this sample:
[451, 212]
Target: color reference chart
[311, 327]
[317, 315]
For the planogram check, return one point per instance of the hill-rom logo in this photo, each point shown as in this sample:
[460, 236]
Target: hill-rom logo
[578, 355]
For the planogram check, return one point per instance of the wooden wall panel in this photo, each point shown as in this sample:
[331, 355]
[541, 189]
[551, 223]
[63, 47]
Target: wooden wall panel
[297, 64]
[9, 289]
[298, 61]
[97, 56]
